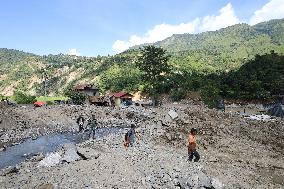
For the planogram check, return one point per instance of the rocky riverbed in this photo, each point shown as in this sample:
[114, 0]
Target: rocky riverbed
[235, 152]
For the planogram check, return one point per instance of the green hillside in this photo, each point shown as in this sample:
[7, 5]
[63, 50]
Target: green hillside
[227, 48]
[26, 72]
[192, 56]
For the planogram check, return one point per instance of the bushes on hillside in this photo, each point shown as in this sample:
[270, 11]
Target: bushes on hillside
[50, 102]
[76, 97]
[22, 98]
[177, 95]
[1, 97]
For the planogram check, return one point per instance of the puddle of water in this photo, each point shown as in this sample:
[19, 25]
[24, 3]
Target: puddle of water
[48, 143]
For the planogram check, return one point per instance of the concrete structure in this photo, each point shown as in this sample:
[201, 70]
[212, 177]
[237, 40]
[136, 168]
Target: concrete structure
[88, 89]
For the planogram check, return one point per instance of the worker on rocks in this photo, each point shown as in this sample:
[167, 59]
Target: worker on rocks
[130, 137]
[92, 124]
[80, 121]
[192, 146]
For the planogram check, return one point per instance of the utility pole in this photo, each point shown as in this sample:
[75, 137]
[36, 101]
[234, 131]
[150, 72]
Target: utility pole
[44, 83]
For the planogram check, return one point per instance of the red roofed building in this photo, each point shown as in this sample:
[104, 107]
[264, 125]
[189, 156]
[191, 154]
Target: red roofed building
[122, 98]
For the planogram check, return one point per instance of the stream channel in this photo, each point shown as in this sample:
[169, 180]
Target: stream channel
[16, 154]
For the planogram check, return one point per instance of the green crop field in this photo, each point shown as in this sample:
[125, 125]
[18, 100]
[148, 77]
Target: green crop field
[51, 98]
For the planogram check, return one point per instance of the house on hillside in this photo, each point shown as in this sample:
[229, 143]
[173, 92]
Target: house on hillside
[88, 89]
[122, 98]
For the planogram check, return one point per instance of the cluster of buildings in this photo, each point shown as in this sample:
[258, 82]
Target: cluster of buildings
[110, 99]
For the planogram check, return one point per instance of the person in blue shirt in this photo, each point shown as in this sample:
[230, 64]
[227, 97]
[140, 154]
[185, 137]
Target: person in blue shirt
[130, 137]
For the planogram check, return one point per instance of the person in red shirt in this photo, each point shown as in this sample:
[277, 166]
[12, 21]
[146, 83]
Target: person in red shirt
[192, 146]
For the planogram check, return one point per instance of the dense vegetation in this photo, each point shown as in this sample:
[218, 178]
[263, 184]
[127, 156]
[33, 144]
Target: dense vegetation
[260, 78]
[234, 62]
[75, 97]
[22, 98]
[154, 67]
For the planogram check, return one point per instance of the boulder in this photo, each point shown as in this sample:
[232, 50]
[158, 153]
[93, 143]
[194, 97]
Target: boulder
[88, 153]
[37, 157]
[9, 170]
[70, 153]
[2, 178]
[159, 124]
[46, 186]
[277, 111]
[204, 180]
[167, 120]
[173, 114]
[216, 183]
[50, 160]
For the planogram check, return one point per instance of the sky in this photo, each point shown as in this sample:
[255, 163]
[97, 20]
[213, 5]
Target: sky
[102, 27]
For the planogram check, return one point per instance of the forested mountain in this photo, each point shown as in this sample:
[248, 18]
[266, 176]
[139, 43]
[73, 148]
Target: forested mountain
[26, 71]
[227, 48]
[193, 56]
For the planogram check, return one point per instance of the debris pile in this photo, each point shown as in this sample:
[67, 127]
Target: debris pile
[228, 145]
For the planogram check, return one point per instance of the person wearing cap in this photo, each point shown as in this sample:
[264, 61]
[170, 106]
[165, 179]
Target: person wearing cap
[192, 146]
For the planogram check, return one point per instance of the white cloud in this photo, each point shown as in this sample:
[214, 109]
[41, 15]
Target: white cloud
[73, 52]
[159, 32]
[225, 18]
[272, 10]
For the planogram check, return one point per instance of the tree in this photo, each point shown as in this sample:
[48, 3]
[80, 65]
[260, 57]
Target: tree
[260, 78]
[210, 94]
[155, 68]
[120, 77]
[76, 97]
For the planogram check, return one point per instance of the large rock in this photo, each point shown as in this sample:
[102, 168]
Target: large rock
[37, 157]
[9, 170]
[70, 153]
[88, 153]
[173, 114]
[199, 180]
[50, 160]
[46, 186]
[204, 180]
[277, 111]
[217, 184]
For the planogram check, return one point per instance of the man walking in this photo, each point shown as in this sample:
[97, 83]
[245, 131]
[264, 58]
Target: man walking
[93, 127]
[192, 146]
[130, 137]
[80, 121]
